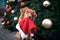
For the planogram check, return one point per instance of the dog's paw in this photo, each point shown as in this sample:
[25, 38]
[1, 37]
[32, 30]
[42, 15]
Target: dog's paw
[18, 35]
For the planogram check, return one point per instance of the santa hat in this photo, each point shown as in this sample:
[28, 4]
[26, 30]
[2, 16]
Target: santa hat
[25, 27]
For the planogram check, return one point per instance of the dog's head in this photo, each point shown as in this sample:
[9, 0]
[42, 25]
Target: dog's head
[27, 13]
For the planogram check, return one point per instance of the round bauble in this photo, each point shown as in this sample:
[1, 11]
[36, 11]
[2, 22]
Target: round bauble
[15, 18]
[6, 6]
[22, 4]
[47, 23]
[4, 13]
[8, 22]
[46, 3]
[19, 0]
[3, 23]
[12, 11]
[7, 1]
[8, 9]
[13, 0]
[2, 19]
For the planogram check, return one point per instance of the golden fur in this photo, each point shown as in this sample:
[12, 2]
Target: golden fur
[26, 12]
[29, 11]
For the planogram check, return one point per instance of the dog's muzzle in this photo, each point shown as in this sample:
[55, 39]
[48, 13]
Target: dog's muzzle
[30, 17]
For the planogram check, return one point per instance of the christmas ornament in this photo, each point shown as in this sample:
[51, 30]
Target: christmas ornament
[19, 0]
[46, 3]
[7, 1]
[22, 4]
[6, 6]
[15, 18]
[8, 9]
[4, 13]
[8, 22]
[12, 11]
[3, 23]
[11, 0]
[47, 23]
[2, 19]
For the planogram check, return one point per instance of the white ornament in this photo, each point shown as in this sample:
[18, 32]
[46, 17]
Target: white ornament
[6, 6]
[3, 23]
[4, 13]
[7, 1]
[13, 0]
[46, 3]
[19, 0]
[15, 18]
[47, 23]
[12, 11]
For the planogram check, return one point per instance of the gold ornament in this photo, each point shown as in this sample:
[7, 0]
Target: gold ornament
[47, 23]
[19, 0]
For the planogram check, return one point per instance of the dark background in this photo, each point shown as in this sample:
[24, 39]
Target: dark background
[2, 6]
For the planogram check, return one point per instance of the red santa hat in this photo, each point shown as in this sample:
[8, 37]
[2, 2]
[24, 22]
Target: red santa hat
[25, 27]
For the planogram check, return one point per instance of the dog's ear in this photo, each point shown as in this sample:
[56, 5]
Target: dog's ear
[21, 14]
[22, 11]
[34, 15]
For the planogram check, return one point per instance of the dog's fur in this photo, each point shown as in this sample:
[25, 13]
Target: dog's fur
[26, 12]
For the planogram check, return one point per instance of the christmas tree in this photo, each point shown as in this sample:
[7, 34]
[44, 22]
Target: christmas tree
[48, 30]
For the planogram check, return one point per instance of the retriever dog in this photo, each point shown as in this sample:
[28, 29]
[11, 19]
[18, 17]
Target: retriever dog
[26, 13]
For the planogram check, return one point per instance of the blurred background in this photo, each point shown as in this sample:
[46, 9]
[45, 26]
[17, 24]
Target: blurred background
[2, 7]
[47, 21]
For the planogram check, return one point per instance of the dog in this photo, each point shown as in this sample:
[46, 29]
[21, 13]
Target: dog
[26, 13]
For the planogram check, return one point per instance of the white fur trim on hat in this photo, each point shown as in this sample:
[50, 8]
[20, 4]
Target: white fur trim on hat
[21, 32]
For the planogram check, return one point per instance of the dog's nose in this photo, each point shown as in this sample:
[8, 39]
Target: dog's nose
[29, 16]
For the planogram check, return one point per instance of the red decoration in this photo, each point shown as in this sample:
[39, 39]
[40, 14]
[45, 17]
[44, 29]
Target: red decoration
[8, 22]
[8, 9]
[26, 24]
[22, 4]
[2, 19]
